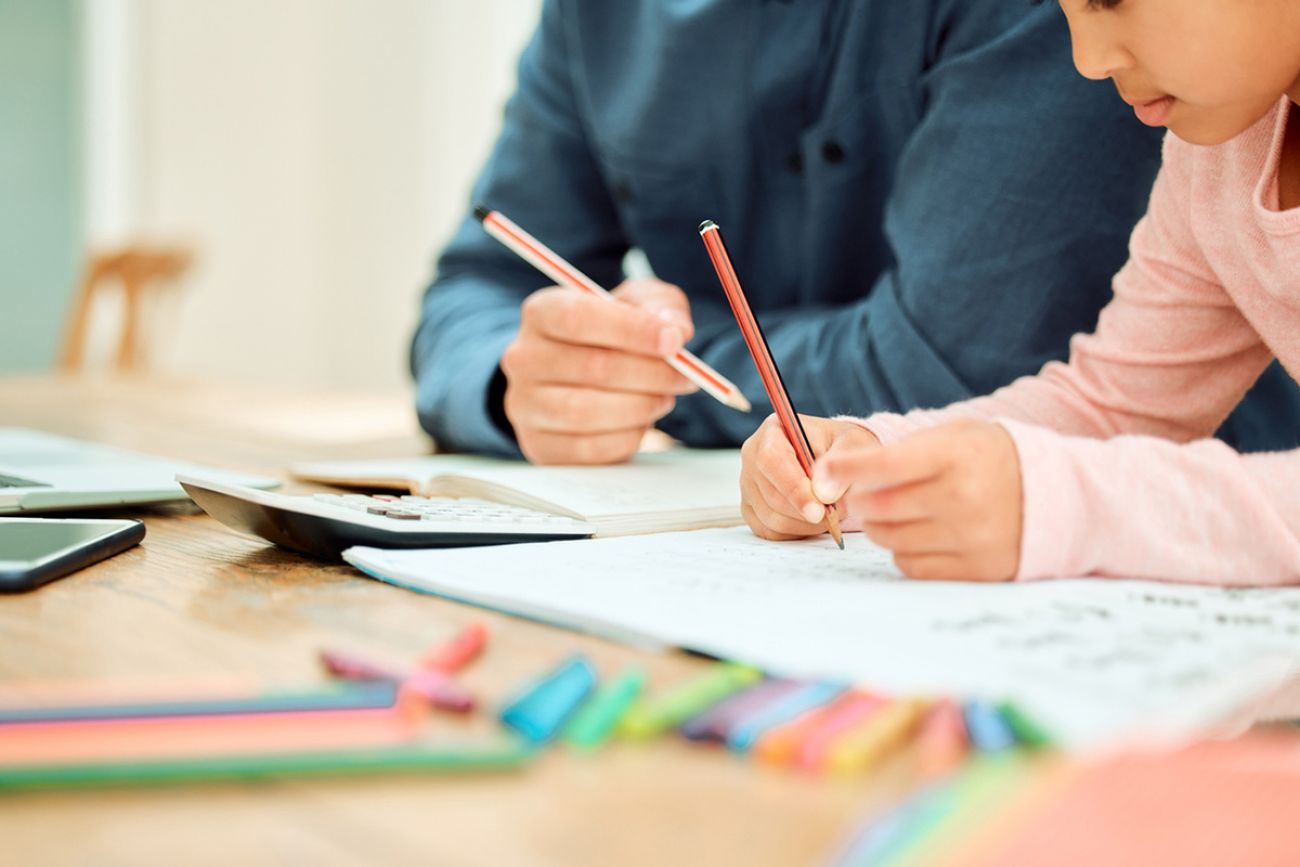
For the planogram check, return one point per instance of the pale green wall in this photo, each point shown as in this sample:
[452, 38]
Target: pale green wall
[40, 176]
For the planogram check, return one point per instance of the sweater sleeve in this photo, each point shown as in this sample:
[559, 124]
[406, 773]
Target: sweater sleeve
[1142, 507]
[1118, 479]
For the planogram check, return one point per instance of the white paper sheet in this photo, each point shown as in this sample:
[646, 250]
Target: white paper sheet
[667, 486]
[1088, 657]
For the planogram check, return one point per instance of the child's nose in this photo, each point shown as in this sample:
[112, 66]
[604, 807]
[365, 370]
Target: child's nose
[1096, 55]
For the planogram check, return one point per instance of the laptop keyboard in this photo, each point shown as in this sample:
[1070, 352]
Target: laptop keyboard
[15, 482]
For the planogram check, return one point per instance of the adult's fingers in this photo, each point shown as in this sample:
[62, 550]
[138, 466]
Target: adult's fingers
[572, 316]
[665, 300]
[569, 410]
[545, 447]
[545, 360]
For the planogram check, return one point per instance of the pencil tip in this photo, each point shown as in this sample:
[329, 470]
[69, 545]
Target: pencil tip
[739, 402]
[840, 542]
[481, 213]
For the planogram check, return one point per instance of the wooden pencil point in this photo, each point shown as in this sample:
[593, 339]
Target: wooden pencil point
[833, 524]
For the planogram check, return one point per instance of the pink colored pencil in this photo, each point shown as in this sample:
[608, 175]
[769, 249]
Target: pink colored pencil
[811, 754]
[942, 742]
[459, 652]
[158, 737]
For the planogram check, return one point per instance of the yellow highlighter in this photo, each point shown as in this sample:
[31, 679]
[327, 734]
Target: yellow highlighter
[863, 748]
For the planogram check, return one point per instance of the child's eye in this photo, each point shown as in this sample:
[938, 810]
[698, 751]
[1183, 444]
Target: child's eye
[1103, 4]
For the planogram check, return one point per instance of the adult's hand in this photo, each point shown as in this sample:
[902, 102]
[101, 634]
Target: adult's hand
[585, 379]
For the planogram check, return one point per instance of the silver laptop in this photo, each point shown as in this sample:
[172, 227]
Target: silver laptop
[41, 472]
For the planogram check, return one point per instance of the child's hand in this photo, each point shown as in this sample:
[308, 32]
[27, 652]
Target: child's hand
[776, 495]
[946, 501]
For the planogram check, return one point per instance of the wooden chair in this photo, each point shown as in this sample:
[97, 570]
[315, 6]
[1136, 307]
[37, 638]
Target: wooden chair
[141, 272]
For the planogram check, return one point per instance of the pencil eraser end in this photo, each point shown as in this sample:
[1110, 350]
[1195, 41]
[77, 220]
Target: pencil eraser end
[481, 213]
[706, 225]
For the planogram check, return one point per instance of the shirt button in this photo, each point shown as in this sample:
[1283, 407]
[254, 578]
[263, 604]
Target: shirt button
[794, 163]
[833, 152]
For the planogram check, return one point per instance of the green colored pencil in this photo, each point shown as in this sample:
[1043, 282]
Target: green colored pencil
[596, 719]
[656, 715]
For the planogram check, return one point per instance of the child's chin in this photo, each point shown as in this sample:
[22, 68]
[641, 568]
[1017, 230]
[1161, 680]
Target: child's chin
[1209, 131]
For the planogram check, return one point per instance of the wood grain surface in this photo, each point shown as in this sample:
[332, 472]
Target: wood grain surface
[195, 602]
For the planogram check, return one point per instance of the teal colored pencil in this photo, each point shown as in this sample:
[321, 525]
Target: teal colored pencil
[408, 758]
[596, 719]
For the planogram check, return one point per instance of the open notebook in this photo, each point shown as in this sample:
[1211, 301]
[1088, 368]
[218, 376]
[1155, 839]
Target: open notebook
[679, 489]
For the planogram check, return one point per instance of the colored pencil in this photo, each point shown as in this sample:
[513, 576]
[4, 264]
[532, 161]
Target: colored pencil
[767, 369]
[554, 266]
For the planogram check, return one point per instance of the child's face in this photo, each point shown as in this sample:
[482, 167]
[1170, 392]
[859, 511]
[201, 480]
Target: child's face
[1207, 69]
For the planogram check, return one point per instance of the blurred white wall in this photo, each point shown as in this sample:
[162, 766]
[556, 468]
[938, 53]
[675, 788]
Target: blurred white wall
[316, 153]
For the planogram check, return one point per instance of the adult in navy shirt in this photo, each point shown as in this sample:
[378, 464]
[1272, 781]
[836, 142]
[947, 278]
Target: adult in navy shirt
[923, 200]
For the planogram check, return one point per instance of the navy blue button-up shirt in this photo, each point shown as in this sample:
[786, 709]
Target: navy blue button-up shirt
[924, 201]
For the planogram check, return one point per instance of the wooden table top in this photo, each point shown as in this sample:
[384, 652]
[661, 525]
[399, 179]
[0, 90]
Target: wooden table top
[195, 600]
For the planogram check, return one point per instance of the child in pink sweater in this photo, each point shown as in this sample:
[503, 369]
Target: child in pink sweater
[1102, 466]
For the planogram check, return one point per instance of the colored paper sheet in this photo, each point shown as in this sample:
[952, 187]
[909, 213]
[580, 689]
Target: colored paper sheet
[1231, 803]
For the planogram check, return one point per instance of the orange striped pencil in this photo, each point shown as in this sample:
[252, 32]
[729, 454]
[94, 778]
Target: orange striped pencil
[551, 264]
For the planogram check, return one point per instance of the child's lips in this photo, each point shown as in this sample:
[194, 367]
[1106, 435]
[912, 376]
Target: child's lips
[1154, 112]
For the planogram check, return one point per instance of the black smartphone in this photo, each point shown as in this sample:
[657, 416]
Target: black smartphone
[36, 550]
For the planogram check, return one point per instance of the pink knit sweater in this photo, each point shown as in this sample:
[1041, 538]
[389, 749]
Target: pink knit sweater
[1119, 478]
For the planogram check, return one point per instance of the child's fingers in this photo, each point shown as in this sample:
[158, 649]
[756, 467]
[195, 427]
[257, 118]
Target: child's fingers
[933, 567]
[915, 459]
[830, 487]
[760, 528]
[913, 538]
[770, 454]
[761, 514]
[898, 505]
[784, 502]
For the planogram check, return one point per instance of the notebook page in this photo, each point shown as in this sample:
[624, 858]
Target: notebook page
[670, 482]
[1088, 657]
